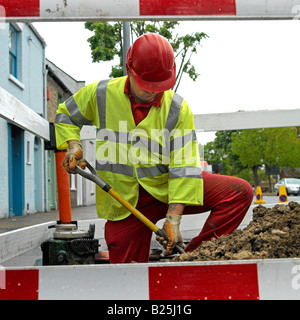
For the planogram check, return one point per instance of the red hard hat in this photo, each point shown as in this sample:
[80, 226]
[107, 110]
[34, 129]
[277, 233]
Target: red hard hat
[152, 63]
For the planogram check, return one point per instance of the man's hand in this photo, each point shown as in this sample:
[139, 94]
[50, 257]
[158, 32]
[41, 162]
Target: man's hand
[171, 230]
[74, 157]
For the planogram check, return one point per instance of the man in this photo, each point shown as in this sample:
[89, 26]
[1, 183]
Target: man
[146, 149]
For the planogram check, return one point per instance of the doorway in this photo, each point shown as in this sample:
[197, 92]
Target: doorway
[16, 170]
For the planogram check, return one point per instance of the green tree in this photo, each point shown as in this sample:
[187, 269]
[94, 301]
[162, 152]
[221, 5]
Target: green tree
[248, 145]
[107, 44]
[269, 147]
[220, 151]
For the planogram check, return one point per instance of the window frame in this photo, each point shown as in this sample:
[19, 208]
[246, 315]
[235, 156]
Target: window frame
[12, 54]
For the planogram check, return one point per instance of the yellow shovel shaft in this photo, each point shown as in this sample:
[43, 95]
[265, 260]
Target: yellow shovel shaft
[133, 210]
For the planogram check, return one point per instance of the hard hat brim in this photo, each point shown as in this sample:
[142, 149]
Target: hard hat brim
[158, 86]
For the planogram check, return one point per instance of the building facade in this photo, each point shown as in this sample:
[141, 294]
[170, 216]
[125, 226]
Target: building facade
[23, 76]
[60, 86]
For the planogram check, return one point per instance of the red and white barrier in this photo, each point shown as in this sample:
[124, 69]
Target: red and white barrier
[143, 9]
[230, 280]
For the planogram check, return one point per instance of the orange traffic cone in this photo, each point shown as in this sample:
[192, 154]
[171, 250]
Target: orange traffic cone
[282, 195]
[259, 197]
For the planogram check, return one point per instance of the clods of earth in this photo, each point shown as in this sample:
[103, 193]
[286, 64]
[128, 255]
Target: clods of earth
[272, 233]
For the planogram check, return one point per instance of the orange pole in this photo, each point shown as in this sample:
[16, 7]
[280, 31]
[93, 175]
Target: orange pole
[63, 188]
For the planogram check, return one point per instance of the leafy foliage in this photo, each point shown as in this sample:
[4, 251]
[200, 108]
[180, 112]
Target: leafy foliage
[245, 151]
[107, 43]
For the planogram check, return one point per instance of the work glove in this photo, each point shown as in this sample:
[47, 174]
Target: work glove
[74, 157]
[171, 231]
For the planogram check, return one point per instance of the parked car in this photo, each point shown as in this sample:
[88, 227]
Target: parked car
[292, 186]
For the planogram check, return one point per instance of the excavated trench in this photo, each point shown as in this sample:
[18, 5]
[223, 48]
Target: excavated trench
[272, 233]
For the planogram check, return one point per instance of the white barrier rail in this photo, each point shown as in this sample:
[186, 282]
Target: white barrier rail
[247, 120]
[22, 116]
[270, 279]
[13, 110]
[48, 10]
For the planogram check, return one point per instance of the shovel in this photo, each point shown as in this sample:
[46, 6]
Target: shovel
[93, 176]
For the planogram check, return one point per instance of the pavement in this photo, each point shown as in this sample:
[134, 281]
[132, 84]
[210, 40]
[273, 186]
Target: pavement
[16, 222]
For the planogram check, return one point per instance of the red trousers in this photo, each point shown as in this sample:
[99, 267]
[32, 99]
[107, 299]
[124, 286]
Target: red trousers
[227, 199]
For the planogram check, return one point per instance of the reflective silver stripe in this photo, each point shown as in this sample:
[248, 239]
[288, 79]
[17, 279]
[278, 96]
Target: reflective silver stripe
[185, 172]
[113, 136]
[101, 102]
[176, 143]
[174, 112]
[152, 171]
[75, 113]
[126, 137]
[151, 145]
[180, 142]
[172, 118]
[64, 118]
[115, 168]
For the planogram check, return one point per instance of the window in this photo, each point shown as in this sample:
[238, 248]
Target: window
[59, 98]
[13, 41]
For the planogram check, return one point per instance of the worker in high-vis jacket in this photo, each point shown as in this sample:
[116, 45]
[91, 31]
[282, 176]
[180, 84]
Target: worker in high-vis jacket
[146, 150]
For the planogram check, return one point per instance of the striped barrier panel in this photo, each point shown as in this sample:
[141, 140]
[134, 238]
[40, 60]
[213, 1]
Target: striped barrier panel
[227, 280]
[145, 9]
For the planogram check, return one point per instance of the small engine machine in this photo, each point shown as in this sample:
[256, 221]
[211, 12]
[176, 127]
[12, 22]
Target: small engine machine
[70, 245]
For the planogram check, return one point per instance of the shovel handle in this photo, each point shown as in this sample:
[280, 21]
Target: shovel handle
[93, 176]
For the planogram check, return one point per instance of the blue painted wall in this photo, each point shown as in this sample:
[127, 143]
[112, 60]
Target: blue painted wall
[28, 87]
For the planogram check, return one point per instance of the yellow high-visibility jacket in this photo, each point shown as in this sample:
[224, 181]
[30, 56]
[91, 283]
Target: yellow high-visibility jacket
[160, 153]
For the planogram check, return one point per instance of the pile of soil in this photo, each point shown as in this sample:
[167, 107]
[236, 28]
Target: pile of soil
[272, 233]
